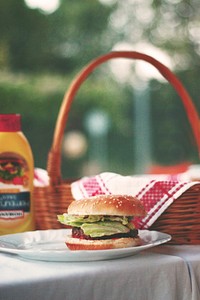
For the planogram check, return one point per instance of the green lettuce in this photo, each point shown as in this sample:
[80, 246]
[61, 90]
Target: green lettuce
[103, 228]
[96, 225]
[77, 221]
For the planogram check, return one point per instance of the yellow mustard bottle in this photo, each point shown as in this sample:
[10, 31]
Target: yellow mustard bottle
[16, 177]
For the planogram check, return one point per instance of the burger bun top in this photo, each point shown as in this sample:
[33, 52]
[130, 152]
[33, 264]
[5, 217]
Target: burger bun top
[116, 205]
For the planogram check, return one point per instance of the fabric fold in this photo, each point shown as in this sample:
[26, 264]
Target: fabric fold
[156, 192]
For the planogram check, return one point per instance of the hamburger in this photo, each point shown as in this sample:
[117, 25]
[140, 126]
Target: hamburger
[103, 222]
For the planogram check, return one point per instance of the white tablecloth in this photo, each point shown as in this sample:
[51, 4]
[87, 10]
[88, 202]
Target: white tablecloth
[145, 276]
[191, 255]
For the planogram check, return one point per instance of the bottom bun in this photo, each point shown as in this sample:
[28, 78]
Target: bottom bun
[81, 244]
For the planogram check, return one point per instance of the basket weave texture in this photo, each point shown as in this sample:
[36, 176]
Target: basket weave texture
[181, 219]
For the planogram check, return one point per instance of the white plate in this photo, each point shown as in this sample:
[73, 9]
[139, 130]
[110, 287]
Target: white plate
[49, 245]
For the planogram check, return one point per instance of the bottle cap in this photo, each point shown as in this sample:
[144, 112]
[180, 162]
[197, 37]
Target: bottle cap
[10, 122]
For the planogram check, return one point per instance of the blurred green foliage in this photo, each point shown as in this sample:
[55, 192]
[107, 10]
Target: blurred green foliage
[41, 53]
[38, 100]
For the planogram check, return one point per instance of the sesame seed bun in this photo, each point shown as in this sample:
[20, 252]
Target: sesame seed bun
[117, 205]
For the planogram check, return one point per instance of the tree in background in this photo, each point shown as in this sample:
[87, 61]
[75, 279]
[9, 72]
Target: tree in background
[58, 42]
[42, 52]
[169, 31]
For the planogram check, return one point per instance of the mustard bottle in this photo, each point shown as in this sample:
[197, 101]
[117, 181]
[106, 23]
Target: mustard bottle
[16, 177]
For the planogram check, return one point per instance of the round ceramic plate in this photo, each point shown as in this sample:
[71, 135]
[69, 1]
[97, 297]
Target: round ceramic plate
[49, 245]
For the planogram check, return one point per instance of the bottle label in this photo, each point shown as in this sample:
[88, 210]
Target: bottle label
[14, 186]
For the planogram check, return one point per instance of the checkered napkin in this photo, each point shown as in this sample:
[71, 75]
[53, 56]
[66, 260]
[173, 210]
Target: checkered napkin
[156, 192]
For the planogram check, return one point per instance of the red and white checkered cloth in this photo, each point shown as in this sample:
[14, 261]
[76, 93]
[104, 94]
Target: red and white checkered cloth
[156, 192]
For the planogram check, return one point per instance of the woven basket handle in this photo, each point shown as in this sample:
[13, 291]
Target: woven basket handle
[54, 157]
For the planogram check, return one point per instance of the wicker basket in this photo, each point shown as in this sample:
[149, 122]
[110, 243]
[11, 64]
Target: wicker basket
[181, 219]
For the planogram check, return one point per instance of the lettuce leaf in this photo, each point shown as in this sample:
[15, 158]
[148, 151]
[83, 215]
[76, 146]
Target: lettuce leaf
[96, 225]
[73, 219]
[77, 221]
[103, 228]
